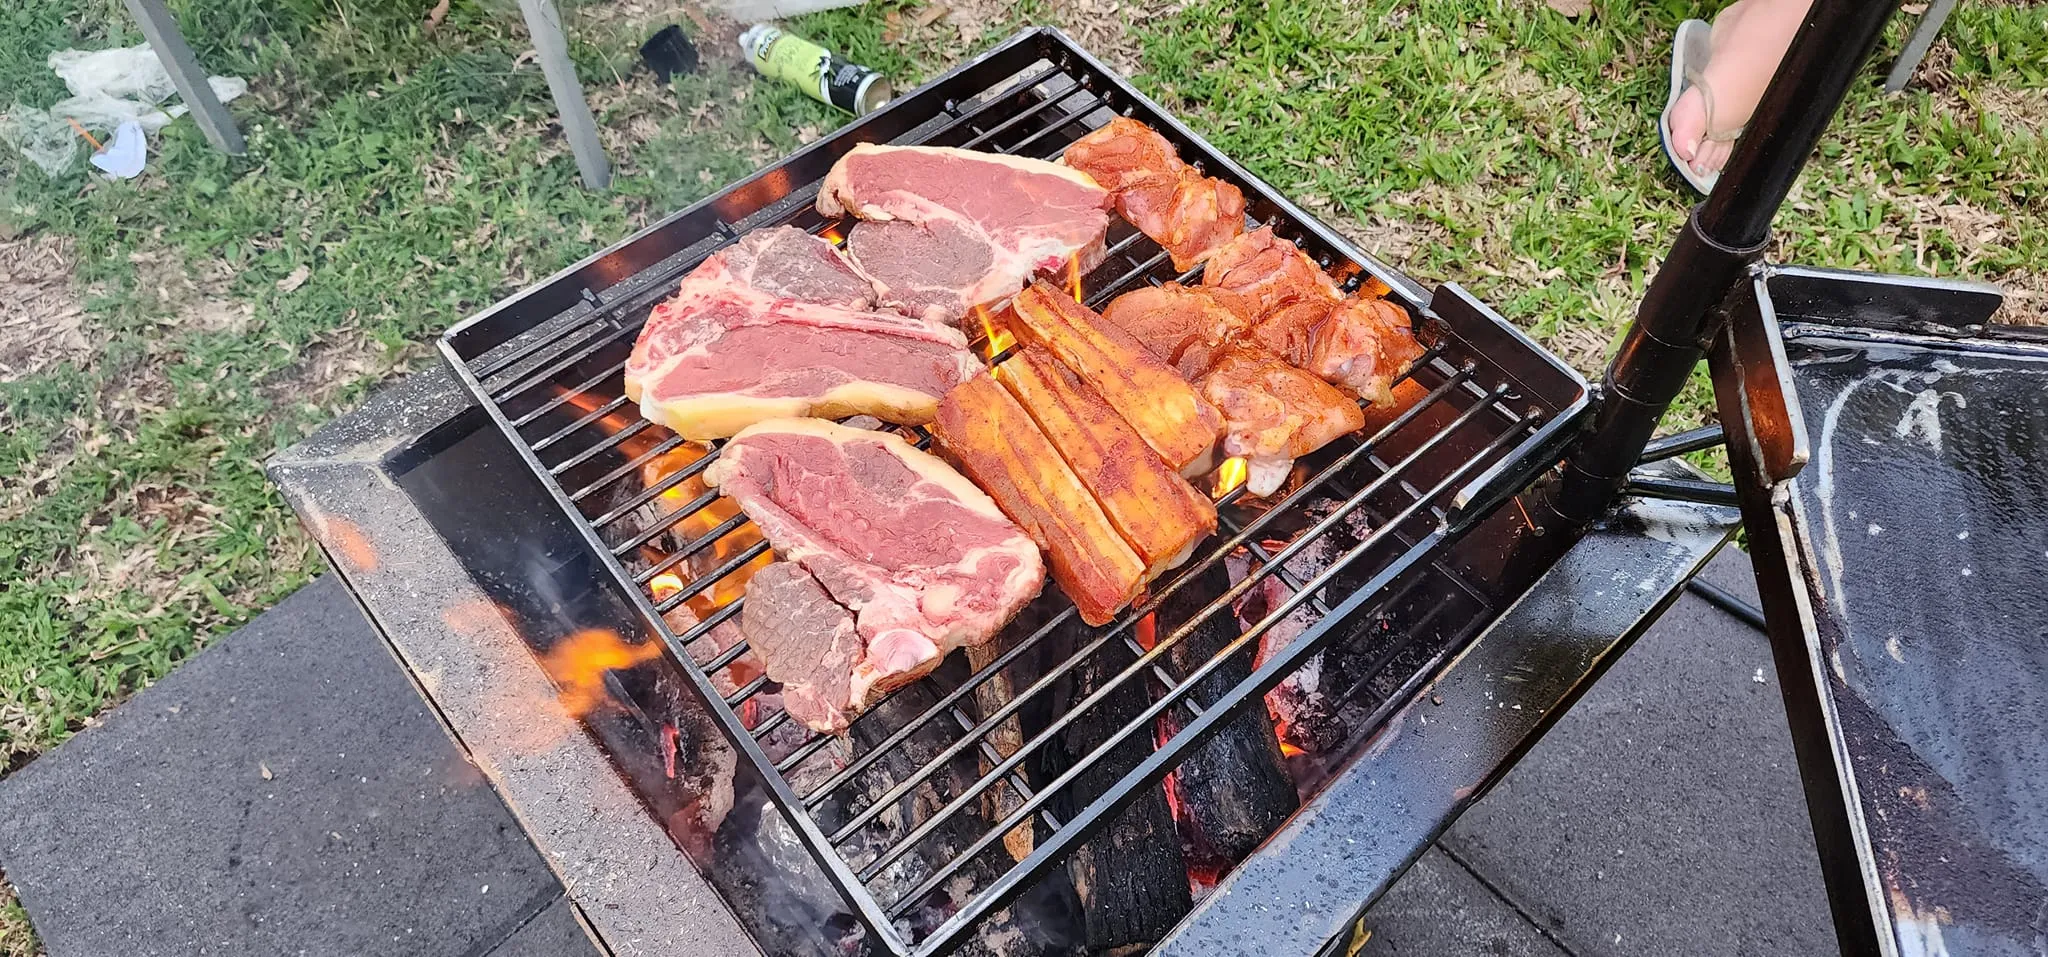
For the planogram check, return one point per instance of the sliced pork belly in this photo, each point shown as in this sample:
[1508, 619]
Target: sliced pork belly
[895, 546]
[1189, 214]
[983, 428]
[1156, 511]
[1148, 393]
[733, 348]
[989, 222]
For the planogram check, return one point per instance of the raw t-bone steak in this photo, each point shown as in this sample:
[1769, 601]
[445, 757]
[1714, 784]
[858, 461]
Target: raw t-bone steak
[889, 560]
[949, 229]
[775, 326]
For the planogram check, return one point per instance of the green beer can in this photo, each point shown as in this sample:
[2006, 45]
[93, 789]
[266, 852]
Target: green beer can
[781, 55]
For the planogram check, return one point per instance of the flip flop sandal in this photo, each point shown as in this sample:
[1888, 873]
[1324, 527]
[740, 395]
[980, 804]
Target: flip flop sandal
[1690, 49]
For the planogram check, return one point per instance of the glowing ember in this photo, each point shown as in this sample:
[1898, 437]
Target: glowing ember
[1229, 476]
[1288, 749]
[578, 664]
[833, 235]
[1074, 275]
[999, 338]
[1146, 633]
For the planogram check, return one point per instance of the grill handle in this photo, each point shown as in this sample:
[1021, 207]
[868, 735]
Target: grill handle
[1715, 247]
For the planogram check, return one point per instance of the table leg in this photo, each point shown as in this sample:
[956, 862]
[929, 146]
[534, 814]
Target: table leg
[162, 30]
[1916, 48]
[544, 23]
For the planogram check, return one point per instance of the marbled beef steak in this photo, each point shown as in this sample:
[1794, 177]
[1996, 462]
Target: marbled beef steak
[876, 536]
[988, 222]
[776, 326]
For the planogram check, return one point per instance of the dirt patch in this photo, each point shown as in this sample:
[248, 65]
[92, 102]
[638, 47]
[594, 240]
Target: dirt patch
[333, 362]
[44, 324]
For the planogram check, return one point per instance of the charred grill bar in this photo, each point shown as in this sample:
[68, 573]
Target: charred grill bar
[1484, 405]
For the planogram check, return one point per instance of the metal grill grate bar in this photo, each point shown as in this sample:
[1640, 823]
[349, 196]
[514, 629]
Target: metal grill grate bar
[1220, 604]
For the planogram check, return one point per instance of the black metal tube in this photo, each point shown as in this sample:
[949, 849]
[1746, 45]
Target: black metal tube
[1718, 241]
[1671, 446]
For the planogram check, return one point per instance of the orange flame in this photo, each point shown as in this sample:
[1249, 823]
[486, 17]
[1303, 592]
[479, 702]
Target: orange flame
[664, 585]
[1230, 475]
[578, 664]
[1288, 749]
[696, 525]
[999, 337]
[832, 234]
[1074, 275]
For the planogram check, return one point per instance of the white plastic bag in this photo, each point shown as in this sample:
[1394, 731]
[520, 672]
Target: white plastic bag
[108, 88]
[40, 138]
[755, 11]
[130, 73]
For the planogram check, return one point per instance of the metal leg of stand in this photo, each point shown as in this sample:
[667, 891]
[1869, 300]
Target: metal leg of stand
[544, 24]
[162, 30]
[1916, 48]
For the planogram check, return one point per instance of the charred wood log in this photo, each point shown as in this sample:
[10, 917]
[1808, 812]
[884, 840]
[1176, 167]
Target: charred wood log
[1131, 878]
[1234, 790]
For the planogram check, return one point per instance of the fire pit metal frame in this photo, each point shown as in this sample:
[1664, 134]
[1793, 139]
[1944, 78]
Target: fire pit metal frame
[562, 334]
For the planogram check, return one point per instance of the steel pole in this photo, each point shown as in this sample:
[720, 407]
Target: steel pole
[1715, 247]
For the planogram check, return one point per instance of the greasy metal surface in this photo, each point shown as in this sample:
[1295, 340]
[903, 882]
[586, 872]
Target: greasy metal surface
[1925, 514]
[1454, 738]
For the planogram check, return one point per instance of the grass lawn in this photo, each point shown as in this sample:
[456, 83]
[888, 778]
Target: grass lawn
[188, 323]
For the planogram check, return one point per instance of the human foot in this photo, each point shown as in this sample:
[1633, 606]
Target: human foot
[1748, 41]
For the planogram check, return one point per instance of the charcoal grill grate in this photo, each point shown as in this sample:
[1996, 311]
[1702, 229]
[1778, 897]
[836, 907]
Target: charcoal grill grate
[547, 366]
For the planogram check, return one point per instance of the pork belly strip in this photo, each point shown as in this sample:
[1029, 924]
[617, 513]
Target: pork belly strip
[986, 222]
[1158, 403]
[920, 560]
[724, 353]
[1156, 511]
[984, 429]
[1191, 215]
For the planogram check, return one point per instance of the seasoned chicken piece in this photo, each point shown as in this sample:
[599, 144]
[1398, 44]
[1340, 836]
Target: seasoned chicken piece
[1191, 215]
[1155, 400]
[983, 429]
[1290, 330]
[1268, 272]
[1157, 511]
[1184, 325]
[1276, 413]
[1363, 345]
